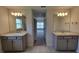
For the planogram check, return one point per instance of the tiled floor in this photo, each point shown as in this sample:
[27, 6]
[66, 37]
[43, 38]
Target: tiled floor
[41, 49]
[44, 49]
[40, 39]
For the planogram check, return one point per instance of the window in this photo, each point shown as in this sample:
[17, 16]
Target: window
[40, 25]
[18, 23]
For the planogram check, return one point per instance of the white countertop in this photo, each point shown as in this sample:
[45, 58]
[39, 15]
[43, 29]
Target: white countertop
[65, 33]
[15, 34]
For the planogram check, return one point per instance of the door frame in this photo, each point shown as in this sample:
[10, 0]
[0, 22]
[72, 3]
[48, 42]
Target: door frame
[45, 29]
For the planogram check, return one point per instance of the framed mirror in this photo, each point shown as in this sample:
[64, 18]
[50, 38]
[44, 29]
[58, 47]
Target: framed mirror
[61, 22]
[20, 23]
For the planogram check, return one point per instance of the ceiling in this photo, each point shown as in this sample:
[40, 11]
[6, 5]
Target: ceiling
[62, 7]
[16, 7]
[38, 7]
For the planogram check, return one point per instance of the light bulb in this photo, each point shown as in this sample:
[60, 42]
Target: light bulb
[66, 13]
[18, 14]
[57, 14]
[12, 13]
[15, 14]
[60, 14]
[63, 14]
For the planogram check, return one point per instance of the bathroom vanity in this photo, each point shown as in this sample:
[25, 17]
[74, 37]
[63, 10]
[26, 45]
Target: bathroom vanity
[14, 41]
[65, 40]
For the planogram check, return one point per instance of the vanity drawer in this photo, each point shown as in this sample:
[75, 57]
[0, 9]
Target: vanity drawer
[68, 37]
[75, 37]
[19, 37]
[3, 37]
[12, 37]
[59, 37]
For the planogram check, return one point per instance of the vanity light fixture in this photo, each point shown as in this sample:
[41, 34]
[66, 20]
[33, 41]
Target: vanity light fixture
[16, 13]
[62, 14]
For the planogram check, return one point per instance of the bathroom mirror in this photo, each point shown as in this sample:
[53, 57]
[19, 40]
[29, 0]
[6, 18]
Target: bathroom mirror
[20, 23]
[61, 23]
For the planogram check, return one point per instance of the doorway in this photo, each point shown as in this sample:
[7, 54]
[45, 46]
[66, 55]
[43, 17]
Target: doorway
[39, 28]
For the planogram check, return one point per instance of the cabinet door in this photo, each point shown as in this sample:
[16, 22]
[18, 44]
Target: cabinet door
[61, 44]
[72, 44]
[17, 45]
[24, 42]
[7, 45]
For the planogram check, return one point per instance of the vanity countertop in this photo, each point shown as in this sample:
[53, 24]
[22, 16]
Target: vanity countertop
[15, 34]
[66, 34]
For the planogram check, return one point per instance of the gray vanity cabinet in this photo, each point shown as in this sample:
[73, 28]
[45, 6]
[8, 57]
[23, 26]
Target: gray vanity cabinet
[72, 44]
[6, 45]
[14, 43]
[17, 45]
[61, 44]
[66, 43]
[20, 43]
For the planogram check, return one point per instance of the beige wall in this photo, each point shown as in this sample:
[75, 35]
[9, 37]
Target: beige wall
[4, 23]
[12, 22]
[74, 18]
[29, 24]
